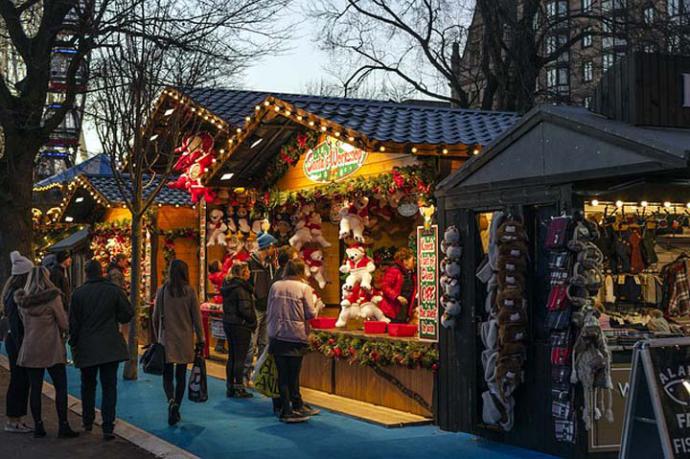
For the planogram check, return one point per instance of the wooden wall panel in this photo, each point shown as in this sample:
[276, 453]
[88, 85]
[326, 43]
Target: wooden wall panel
[317, 372]
[185, 249]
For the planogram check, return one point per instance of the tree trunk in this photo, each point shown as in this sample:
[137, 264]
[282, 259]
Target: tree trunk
[16, 183]
[131, 368]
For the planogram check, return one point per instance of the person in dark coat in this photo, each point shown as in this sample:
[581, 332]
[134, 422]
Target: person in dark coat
[59, 276]
[239, 322]
[97, 308]
[261, 265]
[17, 398]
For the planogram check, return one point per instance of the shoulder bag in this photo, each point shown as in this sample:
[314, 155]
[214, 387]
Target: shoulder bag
[153, 359]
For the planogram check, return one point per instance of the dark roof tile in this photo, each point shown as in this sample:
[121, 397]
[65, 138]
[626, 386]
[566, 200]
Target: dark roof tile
[107, 186]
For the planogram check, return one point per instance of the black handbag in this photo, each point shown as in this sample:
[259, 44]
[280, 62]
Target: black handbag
[153, 359]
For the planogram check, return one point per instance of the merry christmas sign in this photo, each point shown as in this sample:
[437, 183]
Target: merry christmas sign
[332, 160]
[427, 279]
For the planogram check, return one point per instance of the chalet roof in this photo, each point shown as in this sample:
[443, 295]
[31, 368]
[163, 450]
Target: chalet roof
[97, 165]
[382, 121]
[558, 144]
[106, 185]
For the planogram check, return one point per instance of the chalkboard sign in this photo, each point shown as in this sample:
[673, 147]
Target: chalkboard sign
[657, 412]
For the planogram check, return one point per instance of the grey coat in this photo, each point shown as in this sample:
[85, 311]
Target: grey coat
[181, 320]
[45, 321]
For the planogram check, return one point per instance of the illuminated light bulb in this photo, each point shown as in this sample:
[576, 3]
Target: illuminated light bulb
[239, 130]
[311, 123]
[667, 204]
[222, 151]
[248, 119]
[257, 108]
[206, 117]
[445, 151]
[299, 117]
[351, 139]
[619, 203]
[337, 134]
[324, 128]
[644, 203]
[267, 103]
[382, 148]
[475, 151]
[595, 202]
[193, 110]
[414, 149]
[277, 108]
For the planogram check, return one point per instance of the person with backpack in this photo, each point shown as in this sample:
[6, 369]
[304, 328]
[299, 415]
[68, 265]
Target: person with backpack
[17, 398]
[97, 308]
[43, 348]
[176, 320]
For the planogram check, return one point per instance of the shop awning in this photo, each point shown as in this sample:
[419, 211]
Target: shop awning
[72, 242]
[559, 144]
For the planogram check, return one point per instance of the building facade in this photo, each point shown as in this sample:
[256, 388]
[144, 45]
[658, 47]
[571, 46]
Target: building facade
[581, 39]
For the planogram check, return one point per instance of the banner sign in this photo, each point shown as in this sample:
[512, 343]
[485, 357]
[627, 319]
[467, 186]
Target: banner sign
[657, 412]
[332, 160]
[427, 282]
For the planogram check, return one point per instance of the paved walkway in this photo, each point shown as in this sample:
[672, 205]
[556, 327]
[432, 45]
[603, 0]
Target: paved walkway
[87, 446]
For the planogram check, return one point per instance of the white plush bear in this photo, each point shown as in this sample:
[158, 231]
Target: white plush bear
[313, 258]
[216, 228]
[353, 219]
[358, 266]
[452, 236]
[451, 305]
[447, 321]
[369, 310]
[314, 224]
[454, 251]
[302, 235]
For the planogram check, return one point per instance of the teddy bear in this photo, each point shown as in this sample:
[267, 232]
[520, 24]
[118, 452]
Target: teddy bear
[230, 212]
[450, 305]
[302, 234]
[242, 220]
[313, 222]
[369, 309]
[313, 258]
[282, 229]
[358, 267]
[447, 321]
[216, 228]
[354, 218]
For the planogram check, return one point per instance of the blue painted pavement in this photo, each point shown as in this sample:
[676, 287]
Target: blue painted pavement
[228, 428]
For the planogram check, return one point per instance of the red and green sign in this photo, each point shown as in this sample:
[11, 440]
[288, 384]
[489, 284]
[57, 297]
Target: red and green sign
[332, 160]
[427, 282]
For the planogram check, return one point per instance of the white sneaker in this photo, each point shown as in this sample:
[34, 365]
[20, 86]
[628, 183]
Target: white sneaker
[16, 427]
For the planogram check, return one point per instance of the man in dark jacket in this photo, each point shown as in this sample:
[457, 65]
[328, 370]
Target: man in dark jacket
[239, 321]
[97, 345]
[59, 275]
[262, 267]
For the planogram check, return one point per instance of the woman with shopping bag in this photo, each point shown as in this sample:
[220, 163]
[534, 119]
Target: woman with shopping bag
[290, 307]
[176, 321]
[239, 322]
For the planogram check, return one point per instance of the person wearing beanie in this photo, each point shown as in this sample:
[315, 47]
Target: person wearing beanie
[262, 268]
[59, 276]
[17, 398]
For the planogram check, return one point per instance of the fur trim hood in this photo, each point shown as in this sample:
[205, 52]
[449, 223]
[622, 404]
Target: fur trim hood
[27, 301]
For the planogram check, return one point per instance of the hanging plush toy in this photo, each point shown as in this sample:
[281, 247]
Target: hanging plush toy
[314, 224]
[197, 155]
[313, 258]
[450, 277]
[282, 228]
[303, 233]
[358, 267]
[230, 212]
[242, 220]
[216, 228]
[353, 219]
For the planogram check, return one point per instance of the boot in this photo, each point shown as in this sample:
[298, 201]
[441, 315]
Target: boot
[171, 414]
[65, 431]
[39, 430]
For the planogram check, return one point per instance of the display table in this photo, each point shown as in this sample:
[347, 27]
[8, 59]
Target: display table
[209, 310]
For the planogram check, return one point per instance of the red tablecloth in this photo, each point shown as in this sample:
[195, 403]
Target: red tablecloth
[209, 310]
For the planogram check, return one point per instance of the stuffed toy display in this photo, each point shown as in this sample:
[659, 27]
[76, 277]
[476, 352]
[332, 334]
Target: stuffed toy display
[196, 156]
[362, 304]
[235, 251]
[313, 258]
[313, 222]
[358, 267]
[282, 229]
[232, 226]
[216, 228]
[242, 220]
[450, 276]
[354, 219]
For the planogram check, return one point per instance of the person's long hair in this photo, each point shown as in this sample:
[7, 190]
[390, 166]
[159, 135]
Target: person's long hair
[178, 278]
[15, 282]
[38, 281]
[296, 269]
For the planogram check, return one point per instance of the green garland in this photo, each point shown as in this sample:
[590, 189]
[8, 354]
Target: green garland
[417, 179]
[289, 155]
[374, 352]
[169, 237]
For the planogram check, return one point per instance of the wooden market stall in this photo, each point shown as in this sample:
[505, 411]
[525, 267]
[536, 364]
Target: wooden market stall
[335, 177]
[609, 181]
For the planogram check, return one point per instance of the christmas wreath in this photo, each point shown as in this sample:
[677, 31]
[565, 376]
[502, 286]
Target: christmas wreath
[169, 237]
[410, 180]
[373, 352]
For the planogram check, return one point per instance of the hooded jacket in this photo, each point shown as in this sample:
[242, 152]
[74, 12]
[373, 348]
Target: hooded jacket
[44, 321]
[238, 303]
[392, 286]
[290, 307]
[261, 280]
[97, 308]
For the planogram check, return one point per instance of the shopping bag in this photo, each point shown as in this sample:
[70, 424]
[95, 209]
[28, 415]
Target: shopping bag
[198, 384]
[265, 376]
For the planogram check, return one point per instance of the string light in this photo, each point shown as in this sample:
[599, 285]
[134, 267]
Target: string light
[619, 203]
[595, 202]
[414, 149]
[667, 204]
[644, 203]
